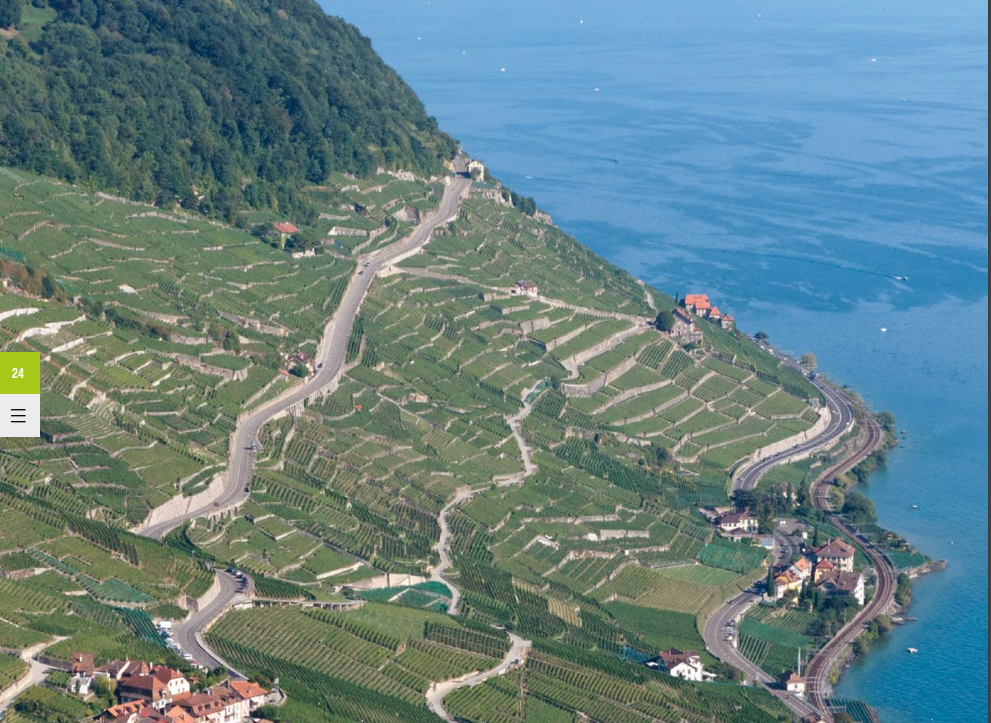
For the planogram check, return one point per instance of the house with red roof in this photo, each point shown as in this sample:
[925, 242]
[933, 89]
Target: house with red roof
[785, 582]
[838, 552]
[844, 583]
[684, 664]
[793, 683]
[698, 304]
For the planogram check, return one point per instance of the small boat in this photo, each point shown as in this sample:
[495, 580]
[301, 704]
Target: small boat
[901, 278]
[884, 330]
[915, 507]
[913, 651]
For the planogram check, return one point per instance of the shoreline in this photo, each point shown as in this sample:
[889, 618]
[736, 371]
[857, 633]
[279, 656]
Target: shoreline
[835, 657]
[830, 664]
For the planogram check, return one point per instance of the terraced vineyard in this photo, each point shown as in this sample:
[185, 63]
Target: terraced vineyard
[600, 555]
[182, 324]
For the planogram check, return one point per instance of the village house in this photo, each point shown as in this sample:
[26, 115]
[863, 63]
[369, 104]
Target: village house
[698, 304]
[128, 712]
[117, 669]
[821, 570]
[742, 521]
[793, 683]
[684, 664]
[284, 230]
[802, 566]
[302, 359]
[524, 288]
[684, 327]
[149, 688]
[844, 583]
[476, 166]
[81, 672]
[838, 552]
[785, 582]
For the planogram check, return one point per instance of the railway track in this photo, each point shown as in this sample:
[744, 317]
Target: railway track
[817, 682]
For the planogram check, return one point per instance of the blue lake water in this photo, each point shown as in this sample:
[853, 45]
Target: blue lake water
[790, 159]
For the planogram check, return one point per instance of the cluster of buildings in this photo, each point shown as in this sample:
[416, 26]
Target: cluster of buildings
[700, 305]
[684, 664]
[697, 305]
[159, 694]
[828, 567]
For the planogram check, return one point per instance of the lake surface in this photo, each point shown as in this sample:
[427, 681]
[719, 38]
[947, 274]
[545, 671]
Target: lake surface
[790, 160]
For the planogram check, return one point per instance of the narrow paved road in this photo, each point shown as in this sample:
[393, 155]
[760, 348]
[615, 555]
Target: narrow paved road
[716, 628]
[515, 423]
[35, 675]
[435, 695]
[841, 417]
[330, 358]
[188, 633]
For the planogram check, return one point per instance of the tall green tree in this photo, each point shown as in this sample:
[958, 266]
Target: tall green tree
[664, 320]
[10, 13]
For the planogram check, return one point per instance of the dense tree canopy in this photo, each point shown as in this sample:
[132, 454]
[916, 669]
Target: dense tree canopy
[247, 101]
[664, 320]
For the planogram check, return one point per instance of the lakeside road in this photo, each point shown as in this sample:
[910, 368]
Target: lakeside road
[840, 421]
[330, 357]
[718, 627]
[818, 687]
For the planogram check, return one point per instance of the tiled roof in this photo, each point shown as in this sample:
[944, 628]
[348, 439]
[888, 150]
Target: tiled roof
[836, 548]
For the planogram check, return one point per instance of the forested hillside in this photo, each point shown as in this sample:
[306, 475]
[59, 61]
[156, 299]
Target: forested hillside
[244, 101]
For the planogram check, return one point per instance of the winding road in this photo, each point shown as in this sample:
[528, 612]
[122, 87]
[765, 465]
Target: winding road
[464, 494]
[330, 358]
[443, 547]
[188, 633]
[719, 633]
[840, 421]
[817, 675]
[435, 695]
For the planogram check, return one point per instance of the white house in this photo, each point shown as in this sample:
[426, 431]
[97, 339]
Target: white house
[524, 288]
[793, 683]
[686, 664]
[742, 521]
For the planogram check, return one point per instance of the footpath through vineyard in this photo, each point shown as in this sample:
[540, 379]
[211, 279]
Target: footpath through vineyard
[514, 657]
[519, 647]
